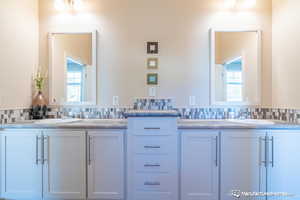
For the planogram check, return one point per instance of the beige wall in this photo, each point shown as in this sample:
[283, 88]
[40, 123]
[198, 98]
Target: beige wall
[18, 51]
[286, 41]
[181, 27]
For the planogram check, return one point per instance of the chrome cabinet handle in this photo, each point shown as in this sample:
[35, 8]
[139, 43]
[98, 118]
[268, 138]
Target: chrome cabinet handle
[217, 148]
[43, 150]
[272, 154]
[89, 150]
[152, 128]
[37, 138]
[151, 165]
[151, 147]
[151, 183]
[261, 141]
[45, 139]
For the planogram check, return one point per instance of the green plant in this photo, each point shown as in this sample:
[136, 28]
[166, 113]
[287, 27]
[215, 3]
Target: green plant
[39, 81]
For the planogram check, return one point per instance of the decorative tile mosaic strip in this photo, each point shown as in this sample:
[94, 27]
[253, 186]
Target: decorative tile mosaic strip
[86, 113]
[152, 104]
[11, 116]
[289, 115]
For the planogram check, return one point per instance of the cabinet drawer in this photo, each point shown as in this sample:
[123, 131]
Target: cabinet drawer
[153, 144]
[153, 163]
[157, 182]
[153, 124]
[153, 196]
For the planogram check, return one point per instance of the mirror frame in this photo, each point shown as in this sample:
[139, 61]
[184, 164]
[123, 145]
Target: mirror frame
[94, 64]
[213, 101]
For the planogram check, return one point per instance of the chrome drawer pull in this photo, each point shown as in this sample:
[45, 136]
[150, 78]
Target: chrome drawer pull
[151, 165]
[152, 183]
[151, 147]
[152, 128]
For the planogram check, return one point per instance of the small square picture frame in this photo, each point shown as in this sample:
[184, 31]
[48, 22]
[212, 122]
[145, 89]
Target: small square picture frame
[152, 47]
[152, 63]
[152, 79]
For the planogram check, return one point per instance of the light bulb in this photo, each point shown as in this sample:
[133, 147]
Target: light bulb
[60, 5]
[228, 4]
[77, 4]
[248, 4]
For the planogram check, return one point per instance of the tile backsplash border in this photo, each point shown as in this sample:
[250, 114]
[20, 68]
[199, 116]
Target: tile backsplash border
[14, 115]
[289, 115]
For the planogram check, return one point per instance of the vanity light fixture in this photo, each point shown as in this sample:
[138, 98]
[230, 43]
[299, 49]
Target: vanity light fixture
[62, 5]
[247, 4]
[229, 4]
[243, 4]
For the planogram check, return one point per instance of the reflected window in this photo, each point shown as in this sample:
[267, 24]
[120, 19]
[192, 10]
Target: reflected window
[75, 81]
[234, 80]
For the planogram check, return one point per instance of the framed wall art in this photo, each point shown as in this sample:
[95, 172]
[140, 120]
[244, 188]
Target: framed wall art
[152, 63]
[152, 47]
[152, 79]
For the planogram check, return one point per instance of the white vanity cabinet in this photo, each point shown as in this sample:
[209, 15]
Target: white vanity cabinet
[43, 164]
[21, 169]
[105, 164]
[152, 158]
[284, 162]
[199, 165]
[243, 162]
[64, 169]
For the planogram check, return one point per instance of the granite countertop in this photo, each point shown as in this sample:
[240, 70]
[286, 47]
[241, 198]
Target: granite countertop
[122, 124]
[69, 124]
[236, 124]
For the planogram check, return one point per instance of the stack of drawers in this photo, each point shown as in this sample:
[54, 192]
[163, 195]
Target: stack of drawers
[152, 159]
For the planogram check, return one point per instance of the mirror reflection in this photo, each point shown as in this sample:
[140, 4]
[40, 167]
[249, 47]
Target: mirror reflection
[235, 68]
[73, 78]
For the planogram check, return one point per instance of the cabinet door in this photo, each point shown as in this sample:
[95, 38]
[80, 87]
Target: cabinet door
[243, 162]
[64, 165]
[284, 165]
[200, 165]
[106, 164]
[21, 174]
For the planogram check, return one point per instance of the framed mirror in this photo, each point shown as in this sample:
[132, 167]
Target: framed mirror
[73, 68]
[235, 67]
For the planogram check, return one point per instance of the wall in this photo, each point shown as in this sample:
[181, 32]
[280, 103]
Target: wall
[183, 32]
[18, 51]
[286, 41]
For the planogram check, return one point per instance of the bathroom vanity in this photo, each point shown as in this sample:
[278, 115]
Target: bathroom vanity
[152, 155]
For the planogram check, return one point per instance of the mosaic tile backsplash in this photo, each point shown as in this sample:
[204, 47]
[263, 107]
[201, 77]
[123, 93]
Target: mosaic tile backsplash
[290, 115]
[152, 104]
[11, 116]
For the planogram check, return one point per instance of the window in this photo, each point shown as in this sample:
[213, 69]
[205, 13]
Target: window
[75, 76]
[234, 81]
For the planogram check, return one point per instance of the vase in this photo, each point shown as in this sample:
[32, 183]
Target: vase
[39, 106]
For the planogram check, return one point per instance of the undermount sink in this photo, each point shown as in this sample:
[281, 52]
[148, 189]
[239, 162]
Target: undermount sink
[252, 121]
[228, 121]
[56, 121]
[204, 121]
[102, 121]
